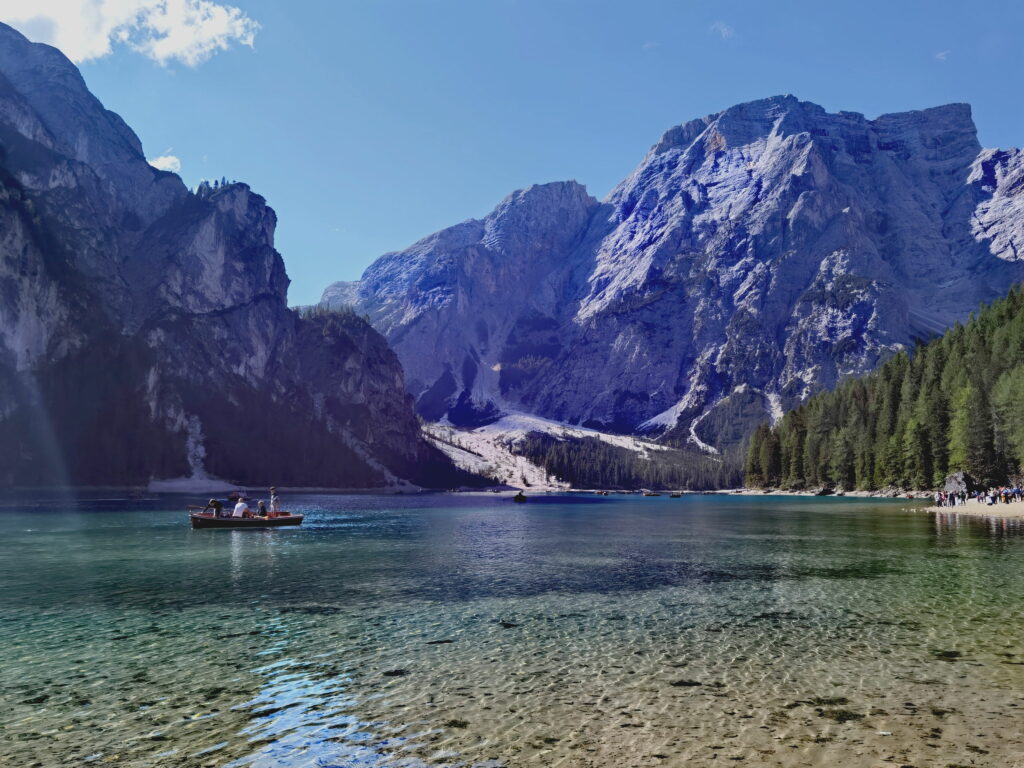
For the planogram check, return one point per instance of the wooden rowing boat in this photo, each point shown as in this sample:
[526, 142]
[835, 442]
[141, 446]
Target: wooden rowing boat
[209, 521]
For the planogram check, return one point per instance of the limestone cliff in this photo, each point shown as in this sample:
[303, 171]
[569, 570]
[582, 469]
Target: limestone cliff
[144, 329]
[753, 257]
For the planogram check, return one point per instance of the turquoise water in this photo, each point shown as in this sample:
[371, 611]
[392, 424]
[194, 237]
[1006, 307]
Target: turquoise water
[467, 630]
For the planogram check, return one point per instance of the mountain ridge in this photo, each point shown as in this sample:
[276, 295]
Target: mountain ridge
[753, 257]
[144, 328]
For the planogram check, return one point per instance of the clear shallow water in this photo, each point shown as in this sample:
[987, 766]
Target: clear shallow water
[467, 630]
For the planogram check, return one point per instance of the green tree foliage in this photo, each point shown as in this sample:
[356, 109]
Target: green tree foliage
[1008, 404]
[956, 403]
[588, 462]
[754, 469]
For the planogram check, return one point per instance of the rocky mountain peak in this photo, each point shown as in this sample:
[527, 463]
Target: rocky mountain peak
[742, 124]
[781, 116]
[558, 195]
[81, 128]
[754, 256]
[144, 329]
[538, 218]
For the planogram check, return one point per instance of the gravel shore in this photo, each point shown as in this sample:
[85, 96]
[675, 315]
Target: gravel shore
[1012, 511]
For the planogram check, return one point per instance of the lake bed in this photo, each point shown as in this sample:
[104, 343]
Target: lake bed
[468, 630]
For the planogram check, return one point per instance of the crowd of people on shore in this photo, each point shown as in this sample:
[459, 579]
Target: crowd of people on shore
[991, 497]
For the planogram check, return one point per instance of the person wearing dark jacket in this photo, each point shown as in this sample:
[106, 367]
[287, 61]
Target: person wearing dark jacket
[215, 505]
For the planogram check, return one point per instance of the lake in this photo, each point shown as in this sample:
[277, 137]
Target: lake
[467, 630]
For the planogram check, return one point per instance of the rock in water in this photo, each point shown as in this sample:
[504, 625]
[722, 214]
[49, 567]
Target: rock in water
[144, 330]
[754, 257]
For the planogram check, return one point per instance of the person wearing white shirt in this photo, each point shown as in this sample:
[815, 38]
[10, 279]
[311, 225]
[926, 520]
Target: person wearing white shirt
[240, 508]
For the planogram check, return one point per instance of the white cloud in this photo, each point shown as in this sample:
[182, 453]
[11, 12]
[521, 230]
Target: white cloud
[188, 31]
[650, 44]
[723, 30]
[166, 163]
[942, 55]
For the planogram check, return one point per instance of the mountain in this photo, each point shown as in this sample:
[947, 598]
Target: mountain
[754, 257]
[529, 451]
[956, 405]
[144, 328]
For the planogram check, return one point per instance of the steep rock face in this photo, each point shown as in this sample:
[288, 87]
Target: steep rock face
[999, 218]
[471, 308]
[753, 257]
[144, 330]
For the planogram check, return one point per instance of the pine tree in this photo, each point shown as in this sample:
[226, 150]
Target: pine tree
[753, 470]
[935, 417]
[843, 471]
[771, 458]
[982, 460]
[792, 442]
[917, 465]
[1008, 407]
[959, 426]
[956, 403]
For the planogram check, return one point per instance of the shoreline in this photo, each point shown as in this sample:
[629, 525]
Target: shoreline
[897, 495]
[176, 489]
[1012, 511]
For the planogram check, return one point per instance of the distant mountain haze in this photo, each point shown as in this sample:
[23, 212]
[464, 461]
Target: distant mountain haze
[754, 257]
[144, 330]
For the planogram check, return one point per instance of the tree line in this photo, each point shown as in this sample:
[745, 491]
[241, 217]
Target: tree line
[589, 462]
[954, 404]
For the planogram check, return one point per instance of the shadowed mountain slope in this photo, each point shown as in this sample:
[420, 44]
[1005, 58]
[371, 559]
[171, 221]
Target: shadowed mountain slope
[144, 329]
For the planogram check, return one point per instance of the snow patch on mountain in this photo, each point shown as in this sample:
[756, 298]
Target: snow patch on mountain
[663, 420]
[695, 438]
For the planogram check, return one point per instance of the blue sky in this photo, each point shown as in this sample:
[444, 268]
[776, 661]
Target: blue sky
[369, 124]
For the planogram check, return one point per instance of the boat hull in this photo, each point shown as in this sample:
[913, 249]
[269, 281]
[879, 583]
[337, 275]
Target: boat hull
[206, 521]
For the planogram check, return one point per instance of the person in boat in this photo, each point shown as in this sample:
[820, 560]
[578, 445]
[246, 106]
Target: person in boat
[215, 506]
[242, 508]
[275, 503]
[261, 509]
